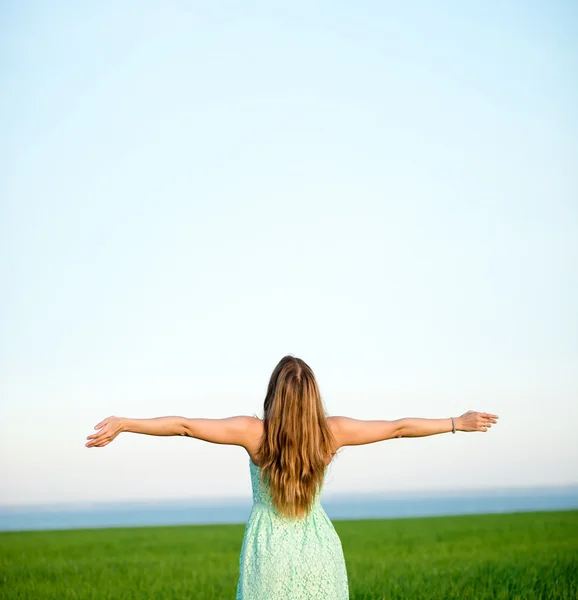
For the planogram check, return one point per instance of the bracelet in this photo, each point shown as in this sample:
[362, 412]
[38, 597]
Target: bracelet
[453, 425]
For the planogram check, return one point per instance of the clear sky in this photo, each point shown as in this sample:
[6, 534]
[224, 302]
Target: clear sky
[189, 191]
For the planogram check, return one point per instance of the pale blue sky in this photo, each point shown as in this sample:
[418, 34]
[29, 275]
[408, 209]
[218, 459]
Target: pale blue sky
[191, 191]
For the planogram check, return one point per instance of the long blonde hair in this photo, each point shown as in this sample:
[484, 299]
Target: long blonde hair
[296, 439]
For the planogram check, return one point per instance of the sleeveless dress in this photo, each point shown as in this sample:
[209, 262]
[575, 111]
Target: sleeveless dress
[289, 559]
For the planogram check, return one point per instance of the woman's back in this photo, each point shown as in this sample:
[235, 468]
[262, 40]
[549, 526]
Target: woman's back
[256, 428]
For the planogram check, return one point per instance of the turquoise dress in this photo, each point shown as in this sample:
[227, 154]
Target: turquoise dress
[289, 559]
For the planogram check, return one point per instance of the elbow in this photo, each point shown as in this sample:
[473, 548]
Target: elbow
[183, 428]
[400, 430]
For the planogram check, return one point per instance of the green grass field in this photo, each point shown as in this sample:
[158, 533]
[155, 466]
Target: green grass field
[514, 556]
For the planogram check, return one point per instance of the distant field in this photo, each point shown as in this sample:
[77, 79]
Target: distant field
[515, 557]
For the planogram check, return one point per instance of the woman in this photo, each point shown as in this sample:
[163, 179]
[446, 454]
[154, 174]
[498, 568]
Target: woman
[290, 549]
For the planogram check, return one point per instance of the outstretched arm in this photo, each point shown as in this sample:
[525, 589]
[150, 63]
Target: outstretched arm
[237, 431]
[469, 421]
[354, 432]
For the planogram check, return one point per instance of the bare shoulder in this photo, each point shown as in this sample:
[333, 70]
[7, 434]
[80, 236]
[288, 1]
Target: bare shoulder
[254, 424]
[250, 426]
[339, 424]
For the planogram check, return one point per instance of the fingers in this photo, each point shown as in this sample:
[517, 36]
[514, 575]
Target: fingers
[479, 421]
[486, 420]
[99, 434]
[98, 442]
[96, 439]
[103, 437]
[93, 442]
[97, 445]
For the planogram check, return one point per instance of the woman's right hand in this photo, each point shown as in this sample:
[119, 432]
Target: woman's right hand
[476, 421]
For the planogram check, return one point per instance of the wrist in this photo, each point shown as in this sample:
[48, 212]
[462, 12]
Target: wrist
[124, 424]
[458, 422]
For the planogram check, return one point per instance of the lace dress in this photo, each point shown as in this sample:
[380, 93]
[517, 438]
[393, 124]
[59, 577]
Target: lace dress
[289, 559]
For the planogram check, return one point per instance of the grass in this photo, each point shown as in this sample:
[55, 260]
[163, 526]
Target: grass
[518, 556]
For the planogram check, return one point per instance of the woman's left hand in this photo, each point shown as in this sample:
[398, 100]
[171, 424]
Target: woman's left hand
[109, 429]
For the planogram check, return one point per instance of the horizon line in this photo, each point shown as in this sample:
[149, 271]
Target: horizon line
[336, 496]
